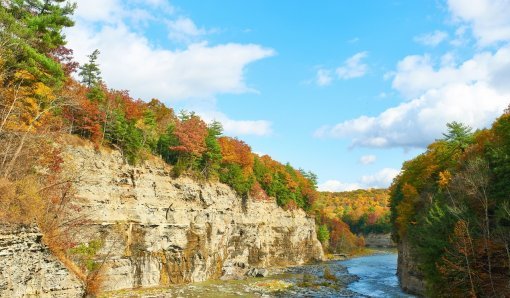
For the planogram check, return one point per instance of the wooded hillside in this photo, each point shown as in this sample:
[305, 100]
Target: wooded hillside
[452, 204]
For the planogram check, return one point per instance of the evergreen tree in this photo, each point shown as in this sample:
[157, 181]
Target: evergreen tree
[211, 159]
[90, 73]
[30, 31]
[459, 136]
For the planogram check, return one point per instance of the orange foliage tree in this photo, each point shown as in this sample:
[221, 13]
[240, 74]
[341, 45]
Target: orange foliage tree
[236, 151]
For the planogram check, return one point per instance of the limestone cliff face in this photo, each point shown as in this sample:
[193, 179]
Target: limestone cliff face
[28, 269]
[159, 230]
[411, 279]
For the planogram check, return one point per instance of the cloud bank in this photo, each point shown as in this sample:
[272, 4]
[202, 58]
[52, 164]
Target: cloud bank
[438, 91]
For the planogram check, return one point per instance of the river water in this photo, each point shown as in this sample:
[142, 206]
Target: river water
[377, 275]
[367, 276]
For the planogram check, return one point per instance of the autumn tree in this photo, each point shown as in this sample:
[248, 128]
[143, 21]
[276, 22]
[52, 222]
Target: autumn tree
[164, 116]
[64, 56]
[457, 262]
[191, 133]
[237, 152]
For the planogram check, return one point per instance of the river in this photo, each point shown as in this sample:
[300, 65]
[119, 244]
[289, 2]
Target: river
[366, 276]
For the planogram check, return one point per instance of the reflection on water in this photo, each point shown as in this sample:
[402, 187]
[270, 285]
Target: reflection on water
[377, 275]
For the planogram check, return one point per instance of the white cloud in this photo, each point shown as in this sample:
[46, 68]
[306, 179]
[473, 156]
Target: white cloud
[488, 18]
[129, 61]
[381, 179]
[358, 125]
[184, 30]
[111, 10]
[416, 74]
[367, 159]
[336, 186]
[431, 39]
[353, 67]
[238, 127]
[323, 77]
[475, 93]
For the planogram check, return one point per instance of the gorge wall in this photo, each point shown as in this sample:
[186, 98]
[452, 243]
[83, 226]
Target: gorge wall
[157, 230]
[379, 240]
[409, 276]
[28, 269]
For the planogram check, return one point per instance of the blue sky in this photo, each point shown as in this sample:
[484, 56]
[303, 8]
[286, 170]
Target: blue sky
[346, 89]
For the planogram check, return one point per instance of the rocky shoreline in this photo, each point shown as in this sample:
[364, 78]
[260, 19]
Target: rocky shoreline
[324, 279]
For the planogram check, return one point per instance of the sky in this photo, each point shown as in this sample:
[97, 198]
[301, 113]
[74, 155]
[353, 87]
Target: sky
[346, 89]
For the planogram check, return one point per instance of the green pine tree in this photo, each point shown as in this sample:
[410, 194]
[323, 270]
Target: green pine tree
[90, 73]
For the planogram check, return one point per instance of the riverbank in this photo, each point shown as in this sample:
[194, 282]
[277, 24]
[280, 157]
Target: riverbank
[325, 279]
[370, 275]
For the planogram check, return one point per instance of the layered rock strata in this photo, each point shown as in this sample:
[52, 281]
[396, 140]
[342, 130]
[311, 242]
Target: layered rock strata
[157, 230]
[28, 269]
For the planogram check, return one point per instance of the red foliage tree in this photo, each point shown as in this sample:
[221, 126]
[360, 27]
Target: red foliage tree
[84, 115]
[258, 193]
[191, 134]
[64, 56]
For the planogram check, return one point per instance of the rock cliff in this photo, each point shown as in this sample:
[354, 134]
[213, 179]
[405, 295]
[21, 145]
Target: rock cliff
[379, 240]
[28, 269]
[410, 278]
[158, 230]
